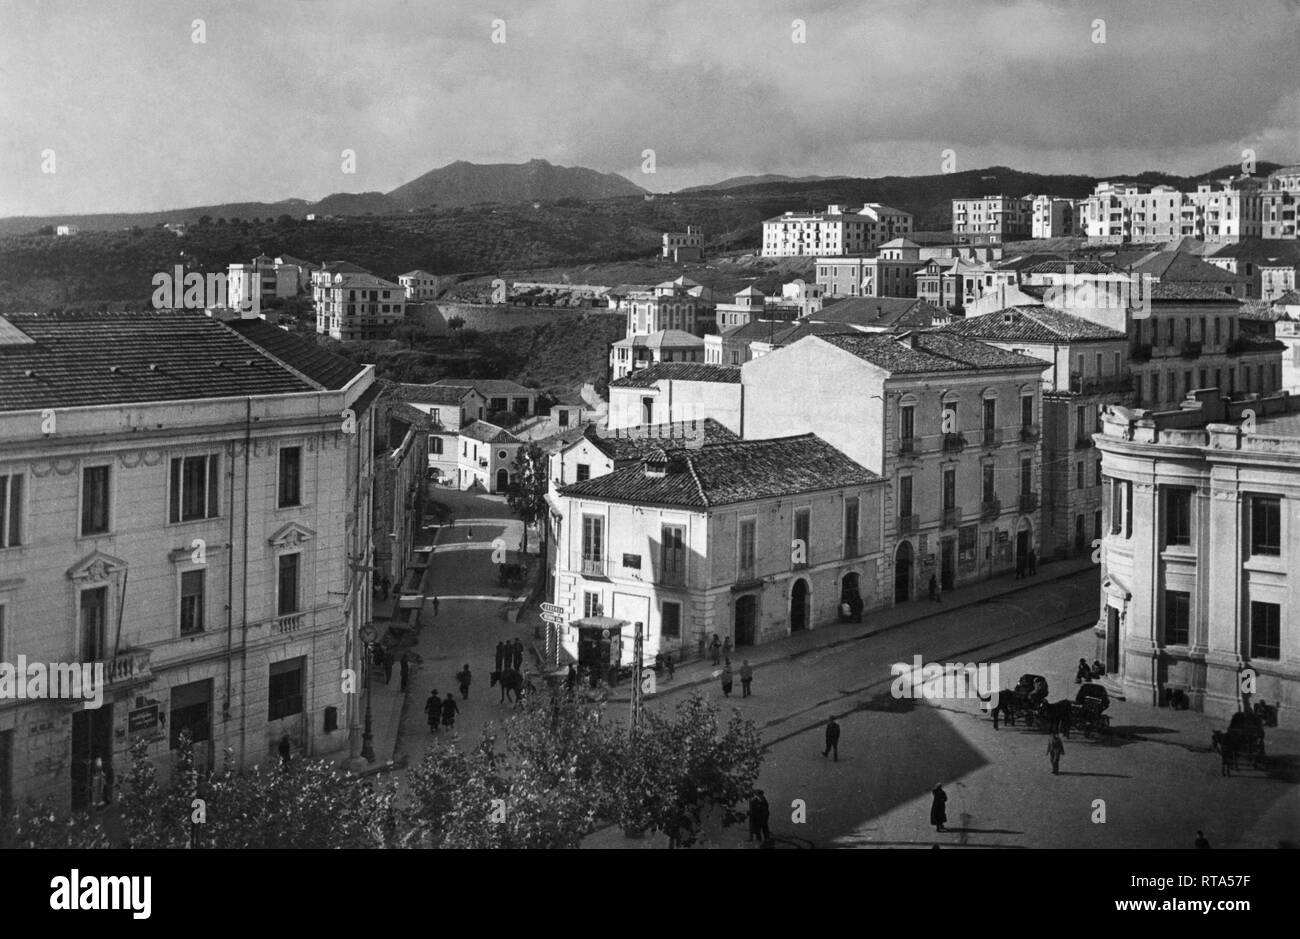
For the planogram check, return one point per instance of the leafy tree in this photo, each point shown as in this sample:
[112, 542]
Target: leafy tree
[528, 498]
[455, 322]
[40, 826]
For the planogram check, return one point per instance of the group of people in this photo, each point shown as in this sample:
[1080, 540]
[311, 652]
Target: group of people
[746, 678]
[1086, 672]
[441, 712]
[719, 649]
[1026, 564]
[509, 655]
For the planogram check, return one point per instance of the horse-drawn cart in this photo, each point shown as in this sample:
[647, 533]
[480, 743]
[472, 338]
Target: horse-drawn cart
[1244, 736]
[1088, 709]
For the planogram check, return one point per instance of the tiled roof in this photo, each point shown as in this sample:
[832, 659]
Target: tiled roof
[1025, 261]
[632, 443]
[673, 339]
[1171, 292]
[917, 351]
[1172, 267]
[1083, 266]
[343, 267]
[1032, 324]
[679, 371]
[792, 333]
[486, 386]
[299, 353]
[1258, 249]
[727, 473]
[430, 394]
[1290, 298]
[85, 359]
[879, 311]
[417, 273]
[484, 432]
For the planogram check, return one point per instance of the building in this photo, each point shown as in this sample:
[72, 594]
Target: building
[835, 232]
[352, 303]
[449, 408]
[940, 417]
[683, 246]
[257, 284]
[1175, 267]
[642, 350]
[486, 457]
[501, 394]
[891, 273]
[878, 314]
[1053, 217]
[750, 304]
[1123, 213]
[402, 434]
[419, 285]
[740, 344]
[186, 504]
[1089, 371]
[672, 392]
[1286, 330]
[64, 230]
[679, 304]
[992, 219]
[1278, 204]
[951, 285]
[1199, 585]
[752, 540]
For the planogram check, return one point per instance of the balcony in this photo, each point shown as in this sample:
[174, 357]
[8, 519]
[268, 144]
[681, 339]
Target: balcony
[1101, 384]
[908, 523]
[1028, 501]
[992, 436]
[291, 622]
[593, 567]
[1140, 352]
[1029, 432]
[954, 442]
[990, 509]
[951, 517]
[672, 577]
[1191, 350]
[907, 446]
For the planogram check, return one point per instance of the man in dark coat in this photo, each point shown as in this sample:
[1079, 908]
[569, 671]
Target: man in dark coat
[1201, 841]
[832, 739]
[517, 659]
[405, 671]
[463, 678]
[746, 678]
[759, 812]
[726, 680]
[433, 709]
[938, 812]
[499, 662]
[449, 711]
[285, 749]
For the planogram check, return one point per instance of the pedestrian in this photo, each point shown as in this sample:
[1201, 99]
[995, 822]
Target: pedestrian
[405, 671]
[571, 679]
[463, 678]
[286, 750]
[469, 534]
[1082, 673]
[449, 711]
[832, 738]
[435, 605]
[97, 783]
[938, 814]
[703, 641]
[1055, 750]
[499, 662]
[388, 667]
[668, 663]
[715, 649]
[1033, 562]
[759, 813]
[433, 710]
[934, 588]
[746, 678]
[1201, 841]
[517, 660]
[726, 650]
[938, 592]
[384, 586]
[726, 680]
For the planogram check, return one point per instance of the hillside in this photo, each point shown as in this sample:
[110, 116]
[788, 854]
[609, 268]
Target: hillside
[464, 184]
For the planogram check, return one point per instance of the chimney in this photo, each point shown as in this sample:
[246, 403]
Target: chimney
[655, 464]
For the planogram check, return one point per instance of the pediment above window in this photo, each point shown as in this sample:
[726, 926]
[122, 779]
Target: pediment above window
[96, 568]
[291, 536]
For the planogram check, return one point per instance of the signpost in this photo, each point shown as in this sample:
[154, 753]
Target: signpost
[636, 677]
[552, 608]
[555, 618]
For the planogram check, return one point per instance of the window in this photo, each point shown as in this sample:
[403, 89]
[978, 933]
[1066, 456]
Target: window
[670, 620]
[990, 493]
[852, 510]
[905, 495]
[583, 472]
[745, 548]
[191, 602]
[990, 413]
[1081, 420]
[290, 477]
[672, 555]
[1026, 476]
[1265, 630]
[1096, 524]
[1265, 525]
[193, 488]
[94, 624]
[11, 510]
[1178, 606]
[949, 425]
[564, 418]
[1078, 475]
[287, 595]
[802, 524]
[1026, 411]
[435, 446]
[94, 500]
[1178, 516]
[591, 603]
[284, 695]
[191, 710]
[906, 422]
[949, 488]
[593, 542]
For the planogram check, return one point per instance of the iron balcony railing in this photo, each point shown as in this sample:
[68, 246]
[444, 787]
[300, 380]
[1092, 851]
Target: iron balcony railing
[1028, 501]
[1029, 432]
[954, 442]
[992, 436]
[951, 517]
[990, 509]
[907, 446]
[908, 523]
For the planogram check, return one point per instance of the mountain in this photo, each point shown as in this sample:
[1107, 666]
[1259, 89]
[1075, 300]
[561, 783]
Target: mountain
[735, 182]
[463, 184]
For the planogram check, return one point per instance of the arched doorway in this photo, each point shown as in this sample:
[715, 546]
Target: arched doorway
[503, 480]
[851, 594]
[903, 573]
[746, 620]
[799, 606]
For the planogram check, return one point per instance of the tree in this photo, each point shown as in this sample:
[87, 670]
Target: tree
[455, 322]
[528, 499]
[40, 826]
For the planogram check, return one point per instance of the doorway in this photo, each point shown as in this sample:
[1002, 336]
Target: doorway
[948, 562]
[1112, 641]
[851, 595]
[799, 606]
[92, 736]
[746, 620]
[1022, 549]
[503, 480]
[903, 573]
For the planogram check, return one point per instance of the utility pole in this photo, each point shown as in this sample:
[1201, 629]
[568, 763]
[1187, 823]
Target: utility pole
[636, 676]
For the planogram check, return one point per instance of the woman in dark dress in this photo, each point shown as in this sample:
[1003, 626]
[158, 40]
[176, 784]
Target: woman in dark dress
[939, 814]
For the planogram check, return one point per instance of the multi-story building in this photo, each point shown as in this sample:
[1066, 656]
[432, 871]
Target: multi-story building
[186, 503]
[486, 456]
[643, 350]
[1286, 330]
[449, 408]
[891, 273]
[1216, 273]
[752, 540]
[500, 394]
[878, 314]
[419, 285]
[940, 417]
[352, 303]
[951, 285]
[402, 434]
[259, 282]
[750, 304]
[1199, 587]
[1089, 370]
[1053, 217]
[683, 246]
[1278, 204]
[1122, 213]
[835, 232]
[671, 392]
[992, 219]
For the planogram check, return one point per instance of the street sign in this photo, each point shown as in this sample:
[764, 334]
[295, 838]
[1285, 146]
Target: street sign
[143, 718]
[552, 608]
[553, 618]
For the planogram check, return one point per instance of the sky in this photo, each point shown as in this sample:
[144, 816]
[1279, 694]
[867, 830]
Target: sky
[141, 117]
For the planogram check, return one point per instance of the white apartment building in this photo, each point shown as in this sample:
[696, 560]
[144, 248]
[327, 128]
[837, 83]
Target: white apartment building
[1123, 213]
[1054, 217]
[419, 285]
[352, 303]
[835, 232]
[992, 219]
[258, 282]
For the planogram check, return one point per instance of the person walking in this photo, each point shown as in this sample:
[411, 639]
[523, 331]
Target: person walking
[449, 711]
[388, 667]
[1033, 562]
[746, 678]
[668, 664]
[1055, 750]
[385, 586]
[832, 738]
[498, 663]
[405, 671]
[571, 679]
[435, 606]
[726, 680]
[934, 588]
[726, 650]
[1201, 841]
[517, 659]
[938, 810]
[433, 711]
[463, 678]
[938, 592]
[715, 649]
[759, 813]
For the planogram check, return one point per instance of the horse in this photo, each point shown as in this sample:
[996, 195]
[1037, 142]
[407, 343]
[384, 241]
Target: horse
[1007, 702]
[1227, 750]
[513, 683]
[1057, 715]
